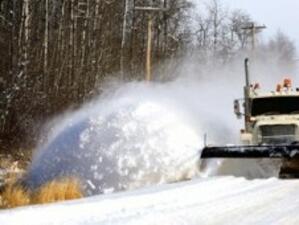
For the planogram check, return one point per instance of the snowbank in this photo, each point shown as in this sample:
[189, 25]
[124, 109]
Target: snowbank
[218, 200]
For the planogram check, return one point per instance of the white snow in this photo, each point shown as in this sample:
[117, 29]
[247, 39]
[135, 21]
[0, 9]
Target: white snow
[218, 200]
[136, 137]
[145, 135]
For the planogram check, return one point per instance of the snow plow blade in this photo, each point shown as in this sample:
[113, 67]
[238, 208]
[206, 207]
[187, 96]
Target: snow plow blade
[252, 151]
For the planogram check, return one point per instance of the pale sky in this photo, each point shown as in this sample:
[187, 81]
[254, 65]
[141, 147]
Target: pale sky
[275, 14]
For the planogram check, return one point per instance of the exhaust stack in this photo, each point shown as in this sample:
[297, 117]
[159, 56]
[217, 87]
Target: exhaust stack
[246, 96]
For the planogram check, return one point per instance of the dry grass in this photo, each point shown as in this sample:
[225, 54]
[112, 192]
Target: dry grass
[57, 190]
[15, 195]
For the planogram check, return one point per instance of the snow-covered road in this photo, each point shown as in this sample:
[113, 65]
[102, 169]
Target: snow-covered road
[218, 200]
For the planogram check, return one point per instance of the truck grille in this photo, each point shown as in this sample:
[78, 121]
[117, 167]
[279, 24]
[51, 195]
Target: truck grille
[277, 134]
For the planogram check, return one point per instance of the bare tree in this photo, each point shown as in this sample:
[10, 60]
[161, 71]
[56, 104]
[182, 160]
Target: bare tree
[124, 36]
[217, 15]
[62, 51]
[46, 45]
[238, 20]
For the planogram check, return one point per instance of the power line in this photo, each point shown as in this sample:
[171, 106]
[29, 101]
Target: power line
[253, 28]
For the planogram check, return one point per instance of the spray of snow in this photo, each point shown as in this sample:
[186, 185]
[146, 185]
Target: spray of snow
[137, 135]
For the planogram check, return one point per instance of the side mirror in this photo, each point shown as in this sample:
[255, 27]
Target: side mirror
[237, 109]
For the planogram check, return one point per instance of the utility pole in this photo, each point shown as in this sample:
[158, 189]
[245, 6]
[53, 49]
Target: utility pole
[150, 10]
[253, 28]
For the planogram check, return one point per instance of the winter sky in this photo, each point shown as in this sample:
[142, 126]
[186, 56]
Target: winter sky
[275, 14]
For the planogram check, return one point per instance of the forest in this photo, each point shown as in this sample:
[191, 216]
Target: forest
[57, 54]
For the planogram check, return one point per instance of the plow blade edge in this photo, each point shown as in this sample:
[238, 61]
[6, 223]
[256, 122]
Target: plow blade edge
[251, 151]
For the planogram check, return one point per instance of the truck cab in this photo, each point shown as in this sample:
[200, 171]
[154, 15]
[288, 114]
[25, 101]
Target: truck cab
[273, 117]
[271, 132]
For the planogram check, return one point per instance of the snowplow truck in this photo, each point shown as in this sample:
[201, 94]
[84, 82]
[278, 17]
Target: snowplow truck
[271, 126]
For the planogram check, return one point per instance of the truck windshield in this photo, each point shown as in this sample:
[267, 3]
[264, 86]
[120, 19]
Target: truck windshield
[275, 105]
